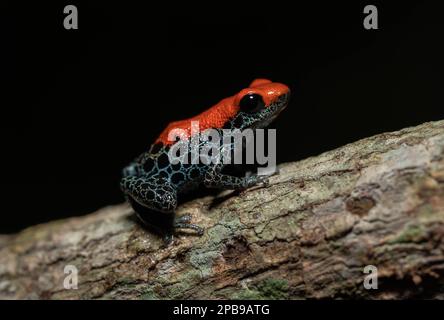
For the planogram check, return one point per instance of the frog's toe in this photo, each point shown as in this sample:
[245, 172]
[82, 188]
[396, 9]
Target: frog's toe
[168, 238]
[264, 181]
[186, 218]
[260, 179]
[184, 222]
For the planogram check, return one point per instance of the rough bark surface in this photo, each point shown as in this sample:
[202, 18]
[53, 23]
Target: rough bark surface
[309, 234]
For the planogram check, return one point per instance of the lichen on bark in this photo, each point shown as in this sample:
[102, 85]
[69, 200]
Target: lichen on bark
[309, 234]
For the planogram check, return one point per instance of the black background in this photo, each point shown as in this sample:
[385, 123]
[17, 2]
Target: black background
[77, 105]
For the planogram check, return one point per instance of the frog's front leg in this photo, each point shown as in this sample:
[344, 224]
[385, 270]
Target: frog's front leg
[156, 193]
[215, 179]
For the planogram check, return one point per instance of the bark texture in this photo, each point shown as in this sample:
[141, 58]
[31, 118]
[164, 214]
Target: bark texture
[309, 234]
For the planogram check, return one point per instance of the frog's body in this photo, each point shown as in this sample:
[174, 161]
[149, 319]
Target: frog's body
[153, 182]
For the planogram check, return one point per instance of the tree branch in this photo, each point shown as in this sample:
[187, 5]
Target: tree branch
[378, 201]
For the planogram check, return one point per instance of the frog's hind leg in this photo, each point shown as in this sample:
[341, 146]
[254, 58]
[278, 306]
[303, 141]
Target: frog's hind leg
[157, 194]
[152, 193]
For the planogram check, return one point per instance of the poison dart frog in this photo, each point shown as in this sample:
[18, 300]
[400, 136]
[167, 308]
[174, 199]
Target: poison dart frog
[152, 182]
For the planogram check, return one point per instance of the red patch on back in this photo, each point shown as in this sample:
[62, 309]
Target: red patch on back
[218, 115]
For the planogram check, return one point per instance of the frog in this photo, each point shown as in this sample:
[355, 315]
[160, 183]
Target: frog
[152, 182]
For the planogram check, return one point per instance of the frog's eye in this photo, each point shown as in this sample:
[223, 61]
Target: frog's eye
[251, 102]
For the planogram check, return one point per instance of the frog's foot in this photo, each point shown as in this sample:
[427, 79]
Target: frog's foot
[256, 180]
[263, 181]
[184, 222]
[168, 238]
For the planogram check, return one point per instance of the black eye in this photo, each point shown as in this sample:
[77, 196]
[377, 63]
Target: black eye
[251, 102]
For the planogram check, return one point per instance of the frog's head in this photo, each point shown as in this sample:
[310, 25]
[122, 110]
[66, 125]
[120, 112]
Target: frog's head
[259, 104]
[253, 107]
